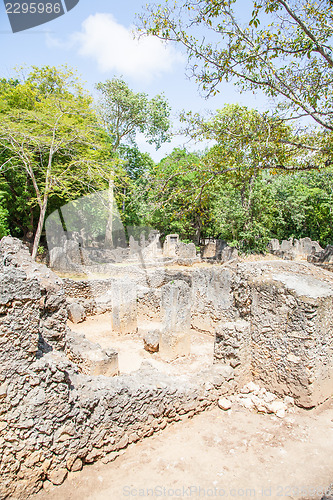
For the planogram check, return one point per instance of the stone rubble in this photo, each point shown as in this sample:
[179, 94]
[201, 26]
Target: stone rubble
[254, 397]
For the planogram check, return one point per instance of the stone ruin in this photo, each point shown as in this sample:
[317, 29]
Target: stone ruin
[218, 250]
[294, 249]
[63, 402]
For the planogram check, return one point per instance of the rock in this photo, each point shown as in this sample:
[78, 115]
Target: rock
[3, 390]
[175, 337]
[224, 404]
[77, 465]
[57, 476]
[76, 313]
[152, 340]
[252, 387]
[277, 407]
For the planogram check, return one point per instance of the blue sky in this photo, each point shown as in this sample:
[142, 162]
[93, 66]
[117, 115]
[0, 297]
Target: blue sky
[95, 38]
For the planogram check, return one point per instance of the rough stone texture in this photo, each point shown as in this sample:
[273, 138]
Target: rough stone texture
[323, 258]
[186, 250]
[54, 418]
[212, 297]
[76, 313]
[19, 322]
[292, 249]
[175, 338]
[91, 358]
[151, 340]
[52, 303]
[124, 307]
[233, 346]
[219, 250]
[289, 307]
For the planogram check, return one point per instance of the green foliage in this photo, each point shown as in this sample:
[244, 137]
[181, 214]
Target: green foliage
[49, 133]
[4, 229]
[282, 49]
[126, 113]
[177, 200]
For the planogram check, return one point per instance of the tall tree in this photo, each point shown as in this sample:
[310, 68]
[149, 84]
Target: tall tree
[126, 113]
[49, 130]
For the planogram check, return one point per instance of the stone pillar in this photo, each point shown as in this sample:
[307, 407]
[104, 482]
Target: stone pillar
[176, 316]
[134, 247]
[233, 347]
[170, 244]
[124, 307]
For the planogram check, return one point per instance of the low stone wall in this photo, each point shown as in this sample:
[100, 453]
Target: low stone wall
[273, 323]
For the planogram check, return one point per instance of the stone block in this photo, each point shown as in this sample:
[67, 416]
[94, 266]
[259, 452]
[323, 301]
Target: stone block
[124, 307]
[152, 340]
[76, 313]
[233, 347]
[186, 250]
[90, 357]
[175, 338]
[170, 245]
[291, 335]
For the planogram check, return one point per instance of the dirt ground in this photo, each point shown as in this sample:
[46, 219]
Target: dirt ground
[217, 454]
[131, 352]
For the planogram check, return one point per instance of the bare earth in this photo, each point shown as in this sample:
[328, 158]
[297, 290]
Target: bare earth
[217, 454]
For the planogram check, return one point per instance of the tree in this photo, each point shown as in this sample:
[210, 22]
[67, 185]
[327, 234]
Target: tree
[126, 113]
[49, 131]
[179, 194]
[283, 50]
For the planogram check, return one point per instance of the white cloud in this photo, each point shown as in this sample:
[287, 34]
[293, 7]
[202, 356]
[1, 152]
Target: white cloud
[115, 50]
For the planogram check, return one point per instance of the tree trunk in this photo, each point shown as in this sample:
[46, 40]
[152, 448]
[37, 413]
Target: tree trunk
[108, 232]
[39, 229]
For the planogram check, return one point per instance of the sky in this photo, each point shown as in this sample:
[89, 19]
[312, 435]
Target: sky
[95, 38]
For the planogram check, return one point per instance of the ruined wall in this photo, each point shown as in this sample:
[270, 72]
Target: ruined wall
[55, 419]
[52, 301]
[286, 339]
[212, 293]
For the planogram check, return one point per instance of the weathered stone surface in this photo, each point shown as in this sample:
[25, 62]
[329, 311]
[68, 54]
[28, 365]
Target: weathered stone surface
[290, 348]
[224, 404]
[152, 340]
[76, 313]
[170, 245]
[124, 307]
[176, 316]
[323, 258]
[15, 258]
[185, 250]
[294, 249]
[219, 250]
[90, 357]
[233, 346]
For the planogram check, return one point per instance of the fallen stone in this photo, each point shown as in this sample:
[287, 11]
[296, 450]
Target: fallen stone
[58, 476]
[77, 465]
[152, 341]
[76, 313]
[224, 404]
